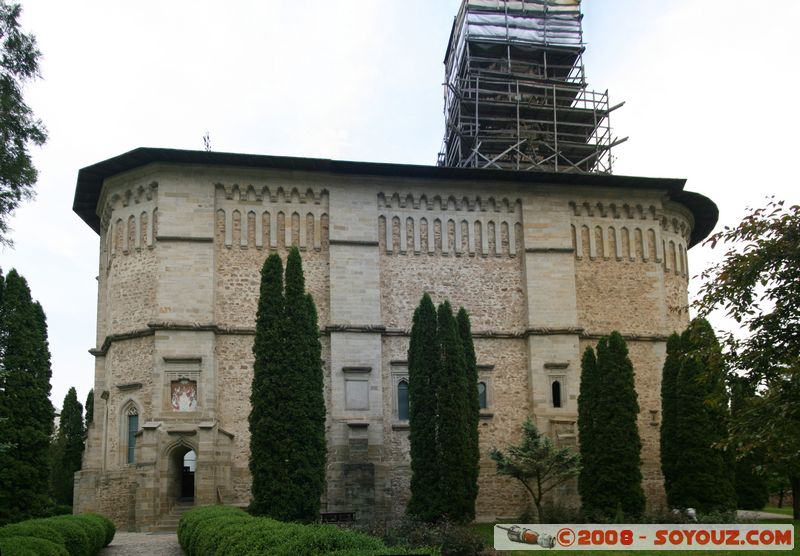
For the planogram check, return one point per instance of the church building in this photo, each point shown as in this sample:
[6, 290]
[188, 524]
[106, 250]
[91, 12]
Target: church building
[521, 223]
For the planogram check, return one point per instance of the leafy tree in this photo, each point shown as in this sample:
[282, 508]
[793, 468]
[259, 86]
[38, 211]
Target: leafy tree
[455, 441]
[90, 408]
[611, 479]
[423, 372]
[778, 485]
[757, 283]
[671, 450]
[473, 402]
[26, 414]
[750, 481]
[537, 464]
[287, 419]
[702, 474]
[19, 64]
[4, 445]
[69, 448]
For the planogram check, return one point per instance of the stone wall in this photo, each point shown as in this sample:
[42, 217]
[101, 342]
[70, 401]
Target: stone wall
[248, 227]
[129, 378]
[542, 270]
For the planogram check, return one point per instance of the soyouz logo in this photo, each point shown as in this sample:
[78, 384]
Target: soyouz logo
[643, 537]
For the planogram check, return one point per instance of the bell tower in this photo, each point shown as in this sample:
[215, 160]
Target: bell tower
[515, 93]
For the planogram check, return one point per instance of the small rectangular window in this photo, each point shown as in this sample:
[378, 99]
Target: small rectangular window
[556, 392]
[482, 395]
[402, 401]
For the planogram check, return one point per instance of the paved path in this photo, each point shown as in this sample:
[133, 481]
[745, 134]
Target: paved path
[143, 544]
[747, 514]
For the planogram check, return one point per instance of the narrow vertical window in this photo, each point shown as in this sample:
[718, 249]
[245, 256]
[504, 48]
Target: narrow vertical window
[556, 386]
[133, 428]
[402, 401]
[482, 395]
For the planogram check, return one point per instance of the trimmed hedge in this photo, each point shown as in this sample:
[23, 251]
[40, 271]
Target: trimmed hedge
[30, 546]
[226, 531]
[72, 535]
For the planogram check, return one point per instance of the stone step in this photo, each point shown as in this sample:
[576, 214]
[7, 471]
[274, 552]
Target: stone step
[170, 521]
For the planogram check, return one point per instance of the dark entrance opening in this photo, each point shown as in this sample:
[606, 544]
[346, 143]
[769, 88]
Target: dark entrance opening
[187, 475]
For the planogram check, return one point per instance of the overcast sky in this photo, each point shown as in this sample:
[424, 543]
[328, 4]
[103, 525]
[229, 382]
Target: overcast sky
[707, 88]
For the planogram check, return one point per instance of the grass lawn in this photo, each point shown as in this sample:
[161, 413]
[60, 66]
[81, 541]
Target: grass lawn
[774, 510]
[487, 531]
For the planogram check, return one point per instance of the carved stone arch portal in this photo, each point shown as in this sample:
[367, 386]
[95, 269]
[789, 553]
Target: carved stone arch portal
[178, 470]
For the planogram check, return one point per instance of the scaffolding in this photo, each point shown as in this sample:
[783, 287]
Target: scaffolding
[515, 91]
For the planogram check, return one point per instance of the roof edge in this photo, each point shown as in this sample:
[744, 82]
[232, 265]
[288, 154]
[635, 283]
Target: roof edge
[91, 178]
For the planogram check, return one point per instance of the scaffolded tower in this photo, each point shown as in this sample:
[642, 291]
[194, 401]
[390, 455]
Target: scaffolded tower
[515, 90]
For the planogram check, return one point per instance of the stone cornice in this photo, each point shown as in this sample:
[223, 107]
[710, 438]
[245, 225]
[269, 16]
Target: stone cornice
[153, 327]
[364, 328]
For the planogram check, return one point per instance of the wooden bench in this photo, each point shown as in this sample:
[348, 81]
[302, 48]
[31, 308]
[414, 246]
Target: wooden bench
[337, 517]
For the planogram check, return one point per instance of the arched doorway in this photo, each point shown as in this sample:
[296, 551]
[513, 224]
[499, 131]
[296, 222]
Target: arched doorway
[187, 475]
[182, 466]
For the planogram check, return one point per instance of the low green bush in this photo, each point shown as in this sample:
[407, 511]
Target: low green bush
[95, 531]
[322, 539]
[107, 525]
[39, 529]
[191, 519]
[76, 539]
[209, 532]
[77, 535]
[231, 532]
[30, 546]
[260, 536]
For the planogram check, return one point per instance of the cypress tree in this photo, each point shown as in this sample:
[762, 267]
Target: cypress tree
[670, 449]
[702, 473]
[269, 449]
[623, 431]
[287, 419]
[307, 412]
[423, 371]
[587, 398]
[613, 481]
[90, 408]
[473, 404]
[454, 420]
[26, 414]
[69, 451]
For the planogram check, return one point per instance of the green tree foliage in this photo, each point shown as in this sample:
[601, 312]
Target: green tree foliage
[611, 479]
[454, 422]
[19, 64]
[287, 419]
[537, 464]
[442, 416]
[750, 480]
[26, 414]
[702, 474]
[423, 372]
[778, 486]
[90, 408]
[473, 402]
[670, 449]
[757, 283]
[68, 448]
[587, 400]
